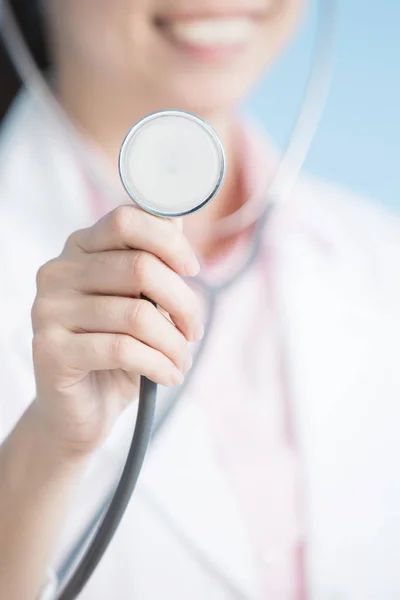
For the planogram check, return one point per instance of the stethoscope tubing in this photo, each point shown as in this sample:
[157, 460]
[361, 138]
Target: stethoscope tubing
[213, 292]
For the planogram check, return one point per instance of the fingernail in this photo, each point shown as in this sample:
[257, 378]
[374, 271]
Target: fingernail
[176, 377]
[198, 332]
[192, 267]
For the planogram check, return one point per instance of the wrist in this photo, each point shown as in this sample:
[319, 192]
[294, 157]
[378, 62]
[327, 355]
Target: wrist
[46, 438]
[38, 482]
[33, 461]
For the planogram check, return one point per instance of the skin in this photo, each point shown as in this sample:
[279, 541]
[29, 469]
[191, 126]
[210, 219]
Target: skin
[93, 335]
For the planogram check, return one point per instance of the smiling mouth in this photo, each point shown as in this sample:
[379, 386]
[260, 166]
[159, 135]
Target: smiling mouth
[209, 35]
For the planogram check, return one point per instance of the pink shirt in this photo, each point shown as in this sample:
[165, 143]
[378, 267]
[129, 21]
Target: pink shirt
[250, 421]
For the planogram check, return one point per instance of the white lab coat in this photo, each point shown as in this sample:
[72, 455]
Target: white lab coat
[336, 279]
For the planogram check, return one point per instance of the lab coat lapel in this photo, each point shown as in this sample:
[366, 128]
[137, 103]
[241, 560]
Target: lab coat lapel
[334, 322]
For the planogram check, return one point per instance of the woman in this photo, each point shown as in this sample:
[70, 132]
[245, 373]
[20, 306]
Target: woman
[277, 474]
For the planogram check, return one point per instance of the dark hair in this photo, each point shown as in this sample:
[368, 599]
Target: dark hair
[28, 16]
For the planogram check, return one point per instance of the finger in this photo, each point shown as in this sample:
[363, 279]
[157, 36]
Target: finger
[132, 273]
[87, 352]
[177, 222]
[138, 318]
[127, 227]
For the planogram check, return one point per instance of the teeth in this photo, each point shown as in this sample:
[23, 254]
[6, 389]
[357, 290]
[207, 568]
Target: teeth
[212, 32]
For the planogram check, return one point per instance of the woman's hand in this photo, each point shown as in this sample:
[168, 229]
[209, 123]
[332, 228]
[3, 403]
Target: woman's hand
[94, 336]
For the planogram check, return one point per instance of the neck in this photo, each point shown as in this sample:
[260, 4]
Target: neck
[106, 117]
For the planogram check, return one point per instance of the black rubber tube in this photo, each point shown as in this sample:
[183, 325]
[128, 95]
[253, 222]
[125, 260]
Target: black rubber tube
[123, 492]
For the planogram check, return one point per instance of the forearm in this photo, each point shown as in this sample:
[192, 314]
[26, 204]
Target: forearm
[36, 485]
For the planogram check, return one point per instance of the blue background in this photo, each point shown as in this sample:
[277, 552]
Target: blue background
[358, 142]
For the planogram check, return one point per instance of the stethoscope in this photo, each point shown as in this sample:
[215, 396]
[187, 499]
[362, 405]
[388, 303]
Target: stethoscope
[182, 155]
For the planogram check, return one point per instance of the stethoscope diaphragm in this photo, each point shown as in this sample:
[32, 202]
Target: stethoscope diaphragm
[172, 163]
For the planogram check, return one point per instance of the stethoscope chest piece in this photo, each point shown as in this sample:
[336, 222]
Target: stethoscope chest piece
[172, 163]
